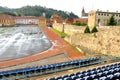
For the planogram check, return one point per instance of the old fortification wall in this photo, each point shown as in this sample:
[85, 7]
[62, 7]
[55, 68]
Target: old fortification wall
[106, 41]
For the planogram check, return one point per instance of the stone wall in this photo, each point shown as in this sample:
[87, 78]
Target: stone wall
[106, 41]
[69, 29]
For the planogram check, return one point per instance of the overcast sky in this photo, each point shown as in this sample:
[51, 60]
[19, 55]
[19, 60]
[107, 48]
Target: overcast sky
[74, 6]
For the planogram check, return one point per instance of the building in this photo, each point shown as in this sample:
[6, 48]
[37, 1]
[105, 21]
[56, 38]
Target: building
[26, 20]
[83, 17]
[55, 18]
[81, 20]
[6, 20]
[42, 22]
[83, 14]
[69, 20]
[100, 18]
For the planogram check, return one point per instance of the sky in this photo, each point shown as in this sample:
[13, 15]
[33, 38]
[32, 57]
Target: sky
[74, 6]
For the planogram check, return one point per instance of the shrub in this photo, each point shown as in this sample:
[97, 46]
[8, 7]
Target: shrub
[94, 29]
[111, 21]
[79, 24]
[87, 30]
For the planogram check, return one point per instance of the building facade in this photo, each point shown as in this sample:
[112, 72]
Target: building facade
[26, 20]
[55, 18]
[42, 22]
[100, 18]
[82, 20]
[83, 14]
[6, 20]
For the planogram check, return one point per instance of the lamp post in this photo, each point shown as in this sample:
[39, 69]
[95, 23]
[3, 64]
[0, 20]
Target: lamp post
[63, 27]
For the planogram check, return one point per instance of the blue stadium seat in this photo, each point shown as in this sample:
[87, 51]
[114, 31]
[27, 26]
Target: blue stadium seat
[67, 78]
[64, 76]
[75, 77]
[57, 78]
[51, 79]
[116, 76]
[72, 74]
[102, 78]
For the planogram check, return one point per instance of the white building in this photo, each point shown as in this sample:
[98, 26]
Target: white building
[26, 20]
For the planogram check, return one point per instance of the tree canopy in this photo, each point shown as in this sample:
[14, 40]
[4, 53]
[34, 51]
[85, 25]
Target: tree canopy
[87, 30]
[94, 30]
[111, 21]
[37, 11]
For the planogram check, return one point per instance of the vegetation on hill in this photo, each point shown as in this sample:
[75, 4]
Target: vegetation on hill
[9, 13]
[37, 11]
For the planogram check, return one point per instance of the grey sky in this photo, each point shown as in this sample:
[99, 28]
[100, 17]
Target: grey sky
[74, 6]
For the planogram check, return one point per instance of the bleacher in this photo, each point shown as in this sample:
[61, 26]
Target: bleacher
[49, 68]
[106, 72]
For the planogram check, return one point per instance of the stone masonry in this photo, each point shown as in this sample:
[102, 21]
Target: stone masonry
[106, 41]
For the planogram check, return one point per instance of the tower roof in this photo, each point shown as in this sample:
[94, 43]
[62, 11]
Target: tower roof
[83, 10]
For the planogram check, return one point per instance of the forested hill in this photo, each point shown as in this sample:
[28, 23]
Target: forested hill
[37, 11]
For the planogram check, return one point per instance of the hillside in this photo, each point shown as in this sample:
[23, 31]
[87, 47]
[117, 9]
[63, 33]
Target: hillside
[37, 11]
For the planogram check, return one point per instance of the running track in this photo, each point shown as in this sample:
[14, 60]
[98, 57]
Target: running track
[59, 45]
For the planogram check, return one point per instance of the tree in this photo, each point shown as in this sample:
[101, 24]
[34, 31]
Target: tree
[79, 23]
[87, 30]
[94, 29]
[111, 21]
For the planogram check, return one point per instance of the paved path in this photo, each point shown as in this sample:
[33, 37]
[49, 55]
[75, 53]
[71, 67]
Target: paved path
[59, 45]
[70, 51]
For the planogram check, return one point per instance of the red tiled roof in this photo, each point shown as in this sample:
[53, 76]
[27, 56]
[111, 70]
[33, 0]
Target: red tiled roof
[84, 20]
[69, 20]
[56, 16]
[26, 17]
[6, 16]
[42, 17]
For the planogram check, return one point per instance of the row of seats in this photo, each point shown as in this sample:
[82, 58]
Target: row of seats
[50, 68]
[107, 72]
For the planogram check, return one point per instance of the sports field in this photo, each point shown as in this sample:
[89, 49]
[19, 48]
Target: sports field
[16, 42]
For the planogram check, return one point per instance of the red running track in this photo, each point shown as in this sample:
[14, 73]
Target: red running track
[59, 45]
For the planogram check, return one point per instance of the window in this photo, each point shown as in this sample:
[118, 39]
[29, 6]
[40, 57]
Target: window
[98, 13]
[90, 14]
[119, 20]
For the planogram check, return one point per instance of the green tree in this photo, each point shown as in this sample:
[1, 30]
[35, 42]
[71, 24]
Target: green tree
[87, 30]
[111, 21]
[79, 24]
[94, 29]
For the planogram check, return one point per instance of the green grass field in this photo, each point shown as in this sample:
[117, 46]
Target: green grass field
[59, 32]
